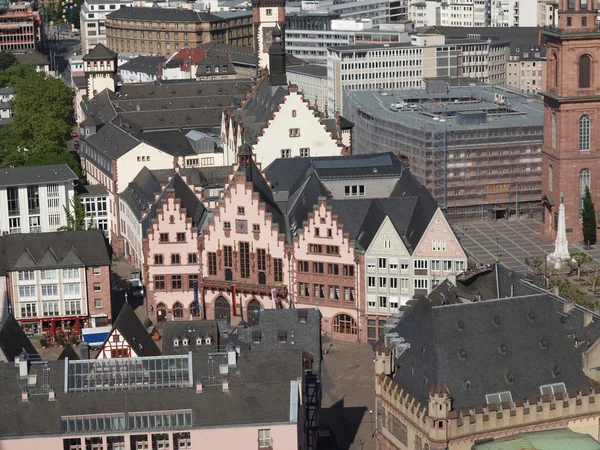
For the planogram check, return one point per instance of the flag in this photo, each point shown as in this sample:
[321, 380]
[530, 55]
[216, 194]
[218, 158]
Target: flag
[196, 302]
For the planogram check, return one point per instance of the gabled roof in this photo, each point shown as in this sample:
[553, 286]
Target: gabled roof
[143, 64]
[513, 344]
[140, 193]
[13, 339]
[100, 52]
[112, 141]
[68, 352]
[21, 176]
[54, 250]
[173, 142]
[134, 332]
[32, 57]
[192, 330]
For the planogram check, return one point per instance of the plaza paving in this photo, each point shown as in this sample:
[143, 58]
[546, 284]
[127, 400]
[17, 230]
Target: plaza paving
[512, 240]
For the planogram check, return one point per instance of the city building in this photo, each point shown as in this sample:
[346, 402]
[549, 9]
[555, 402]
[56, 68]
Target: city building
[568, 157]
[182, 65]
[100, 70]
[35, 59]
[35, 199]
[22, 28]
[169, 401]
[476, 148]
[378, 11]
[96, 200]
[434, 387]
[278, 122]
[461, 13]
[382, 237]
[267, 17]
[308, 34]
[245, 264]
[92, 19]
[171, 250]
[58, 280]
[128, 338]
[212, 67]
[311, 81]
[406, 66]
[525, 67]
[143, 69]
[162, 31]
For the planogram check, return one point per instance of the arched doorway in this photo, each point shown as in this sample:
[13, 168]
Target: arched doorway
[222, 309]
[344, 324]
[194, 312]
[178, 310]
[161, 312]
[254, 308]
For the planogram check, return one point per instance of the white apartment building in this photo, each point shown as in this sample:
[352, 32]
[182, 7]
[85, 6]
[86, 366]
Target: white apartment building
[379, 11]
[34, 199]
[515, 13]
[425, 13]
[463, 13]
[311, 81]
[95, 201]
[92, 16]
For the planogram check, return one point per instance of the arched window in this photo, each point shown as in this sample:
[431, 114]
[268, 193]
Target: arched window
[178, 310]
[551, 179]
[193, 311]
[585, 66]
[254, 309]
[161, 312]
[584, 180]
[344, 324]
[554, 130]
[584, 133]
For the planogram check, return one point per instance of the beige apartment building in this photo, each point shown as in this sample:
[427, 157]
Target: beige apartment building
[163, 31]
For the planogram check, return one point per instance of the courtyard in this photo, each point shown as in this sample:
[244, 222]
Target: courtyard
[511, 240]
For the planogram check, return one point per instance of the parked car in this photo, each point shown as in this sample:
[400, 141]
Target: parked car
[75, 134]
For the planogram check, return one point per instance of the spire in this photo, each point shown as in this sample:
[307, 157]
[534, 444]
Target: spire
[277, 69]
[561, 245]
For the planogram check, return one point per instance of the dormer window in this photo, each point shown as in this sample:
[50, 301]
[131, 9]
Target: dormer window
[186, 342]
[256, 337]
[199, 341]
[208, 341]
[282, 337]
[175, 342]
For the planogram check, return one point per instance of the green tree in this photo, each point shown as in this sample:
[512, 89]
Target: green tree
[75, 217]
[589, 218]
[578, 260]
[7, 59]
[535, 265]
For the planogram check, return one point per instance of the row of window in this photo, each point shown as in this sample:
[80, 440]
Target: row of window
[176, 282]
[245, 257]
[324, 249]
[71, 308]
[180, 237]
[330, 292]
[52, 274]
[192, 258]
[418, 264]
[347, 270]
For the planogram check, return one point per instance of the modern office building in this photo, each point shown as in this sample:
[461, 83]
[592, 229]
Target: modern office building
[477, 148]
[405, 66]
[21, 27]
[311, 81]
[92, 18]
[379, 11]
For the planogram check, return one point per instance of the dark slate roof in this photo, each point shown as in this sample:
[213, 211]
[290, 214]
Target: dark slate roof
[244, 56]
[216, 176]
[259, 393]
[517, 35]
[68, 352]
[173, 142]
[21, 176]
[92, 190]
[444, 293]
[100, 52]
[100, 107]
[112, 141]
[54, 250]
[480, 348]
[193, 175]
[274, 323]
[80, 81]
[143, 64]
[162, 14]
[134, 332]
[195, 209]
[13, 339]
[33, 57]
[313, 70]
[191, 330]
[140, 193]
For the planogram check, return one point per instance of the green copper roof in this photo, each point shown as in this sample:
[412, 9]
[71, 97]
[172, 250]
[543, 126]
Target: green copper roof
[559, 439]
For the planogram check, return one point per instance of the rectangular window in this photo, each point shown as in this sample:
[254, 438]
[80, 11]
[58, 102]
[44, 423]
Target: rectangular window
[421, 283]
[49, 275]
[447, 266]
[303, 289]
[383, 302]
[158, 259]
[164, 237]
[382, 263]
[264, 438]
[96, 271]
[382, 283]
[286, 153]
[159, 282]
[256, 228]
[318, 268]
[294, 132]
[304, 152]
[191, 280]
[371, 282]
[97, 303]
[398, 429]
[192, 258]
[278, 270]
[319, 290]
[12, 194]
[348, 271]
[334, 292]
[315, 248]
[98, 287]
[212, 263]
[460, 266]
[180, 237]
[176, 283]
[228, 256]
[27, 275]
[435, 265]
[302, 266]
[26, 291]
[244, 260]
[71, 290]
[175, 258]
[261, 258]
[420, 264]
[33, 199]
[332, 269]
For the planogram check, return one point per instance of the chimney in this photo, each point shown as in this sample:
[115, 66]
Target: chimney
[84, 348]
[231, 357]
[23, 367]
[138, 107]
[199, 387]
[568, 305]
[225, 385]
[51, 394]
[588, 318]
[24, 396]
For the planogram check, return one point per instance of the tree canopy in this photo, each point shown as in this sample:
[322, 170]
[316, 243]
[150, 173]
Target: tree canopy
[589, 218]
[42, 119]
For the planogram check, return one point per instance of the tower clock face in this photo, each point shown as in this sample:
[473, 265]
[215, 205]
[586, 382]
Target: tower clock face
[241, 226]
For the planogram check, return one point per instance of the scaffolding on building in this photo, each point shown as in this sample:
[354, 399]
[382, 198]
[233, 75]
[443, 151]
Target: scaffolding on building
[476, 148]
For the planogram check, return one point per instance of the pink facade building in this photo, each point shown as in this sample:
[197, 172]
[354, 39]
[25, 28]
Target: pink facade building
[245, 262]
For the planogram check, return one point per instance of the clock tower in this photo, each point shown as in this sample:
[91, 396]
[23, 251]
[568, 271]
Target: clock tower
[267, 16]
[571, 149]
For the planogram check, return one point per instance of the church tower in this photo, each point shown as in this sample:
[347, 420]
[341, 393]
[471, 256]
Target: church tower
[571, 150]
[100, 69]
[267, 16]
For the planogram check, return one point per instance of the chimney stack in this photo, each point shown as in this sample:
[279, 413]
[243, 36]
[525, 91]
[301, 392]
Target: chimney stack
[51, 394]
[24, 396]
[568, 305]
[588, 318]
[225, 385]
[84, 348]
[199, 387]
[231, 357]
